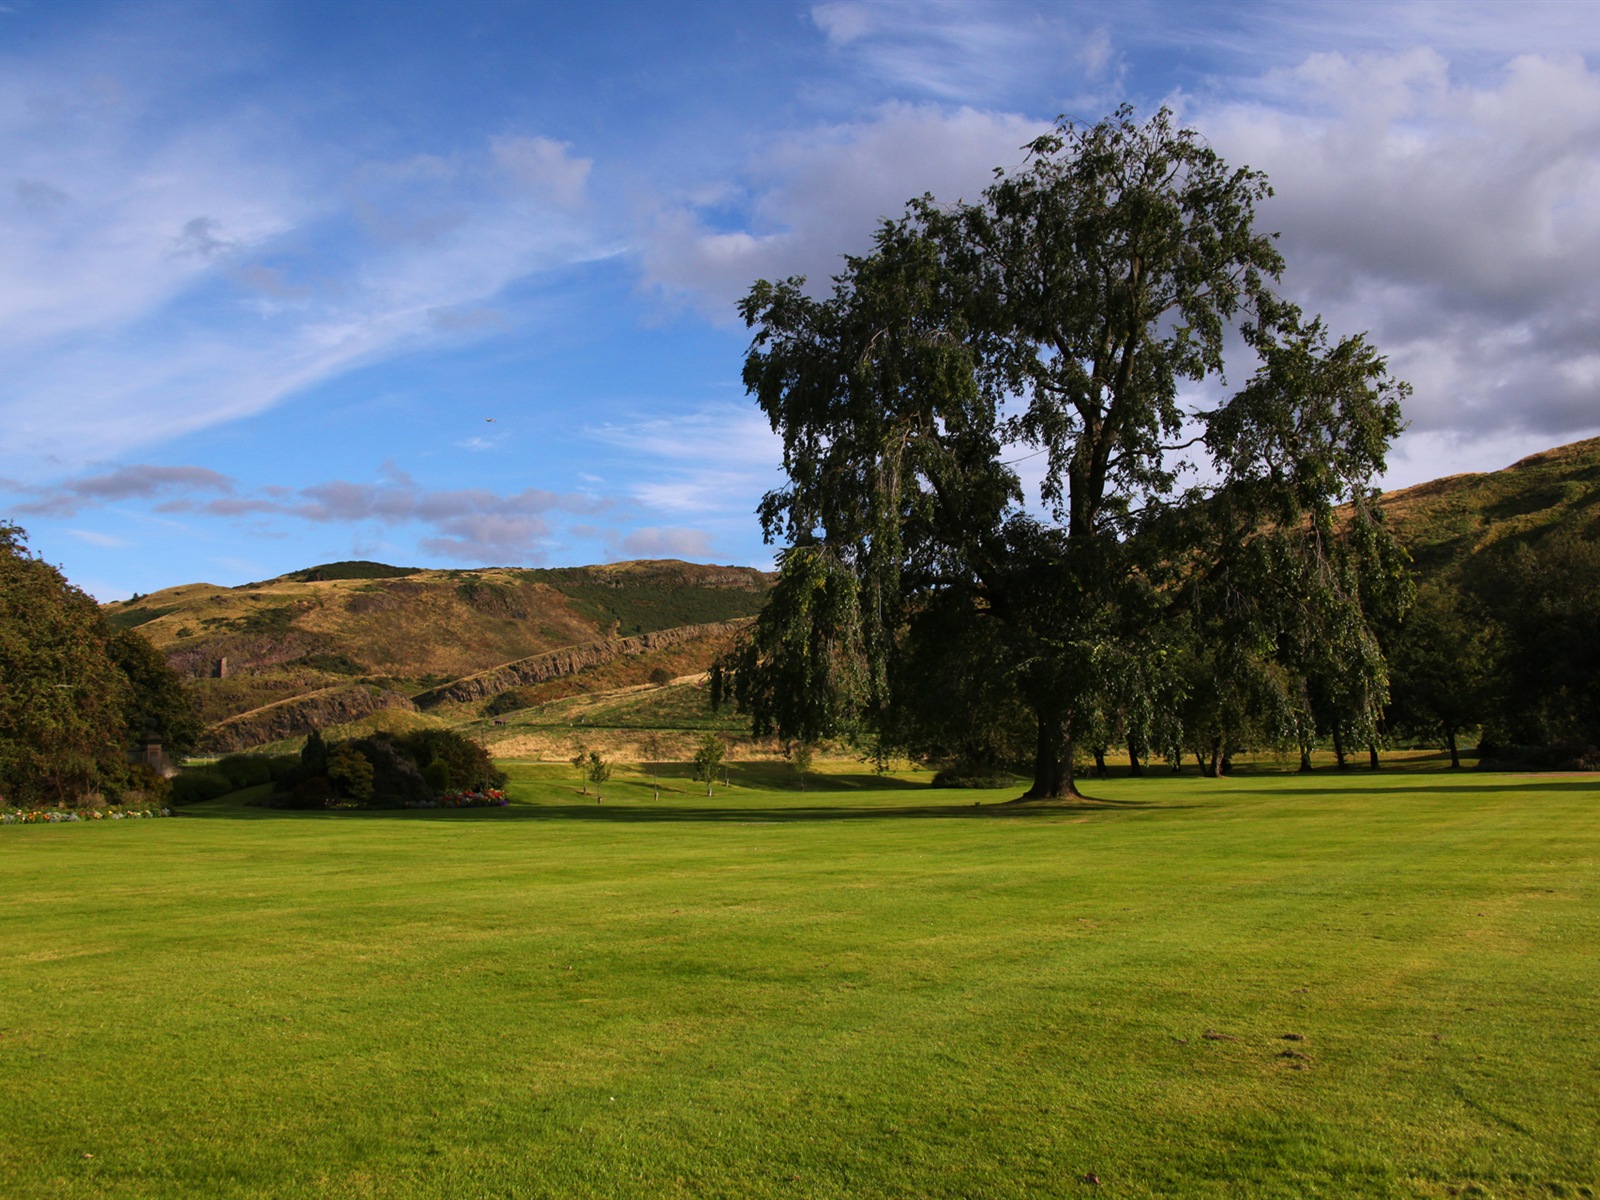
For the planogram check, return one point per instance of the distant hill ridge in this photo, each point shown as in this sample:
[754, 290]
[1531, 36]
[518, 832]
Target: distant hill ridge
[1445, 521]
[344, 636]
[408, 630]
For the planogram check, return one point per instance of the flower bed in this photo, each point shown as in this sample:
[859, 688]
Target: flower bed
[52, 816]
[493, 798]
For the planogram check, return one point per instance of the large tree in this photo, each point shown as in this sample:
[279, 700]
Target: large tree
[1052, 325]
[61, 695]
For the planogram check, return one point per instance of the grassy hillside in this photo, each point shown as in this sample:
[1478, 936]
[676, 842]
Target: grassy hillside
[1445, 520]
[1241, 989]
[408, 629]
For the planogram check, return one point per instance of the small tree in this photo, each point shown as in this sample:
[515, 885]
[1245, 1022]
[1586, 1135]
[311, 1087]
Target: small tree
[580, 760]
[708, 756]
[599, 772]
[654, 750]
[800, 755]
[351, 773]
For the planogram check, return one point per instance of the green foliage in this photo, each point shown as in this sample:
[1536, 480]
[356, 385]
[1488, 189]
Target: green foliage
[974, 775]
[351, 569]
[143, 785]
[469, 763]
[599, 771]
[351, 773]
[1441, 660]
[660, 676]
[708, 759]
[245, 770]
[512, 700]
[396, 779]
[1543, 601]
[194, 787]
[334, 664]
[314, 755]
[437, 775]
[130, 618]
[62, 699]
[272, 620]
[1055, 321]
[800, 756]
[157, 697]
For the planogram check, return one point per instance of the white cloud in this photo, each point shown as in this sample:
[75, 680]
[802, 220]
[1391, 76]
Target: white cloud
[1457, 222]
[820, 194]
[653, 542]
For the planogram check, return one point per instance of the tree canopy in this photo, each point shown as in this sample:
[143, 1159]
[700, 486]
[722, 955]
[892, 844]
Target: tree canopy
[1007, 451]
[73, 695]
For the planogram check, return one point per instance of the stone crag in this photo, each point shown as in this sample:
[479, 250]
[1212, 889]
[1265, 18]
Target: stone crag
[299, 715]
[567, 661]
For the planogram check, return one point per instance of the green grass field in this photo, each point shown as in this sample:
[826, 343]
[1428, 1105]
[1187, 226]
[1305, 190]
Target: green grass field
[869, 989]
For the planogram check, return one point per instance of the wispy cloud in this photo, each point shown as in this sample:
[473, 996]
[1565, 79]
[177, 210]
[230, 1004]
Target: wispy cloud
[968, 51]
[463, 524]
[819, 194]
[158, 276]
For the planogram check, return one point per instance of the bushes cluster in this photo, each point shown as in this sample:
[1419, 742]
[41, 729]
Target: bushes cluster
[193, 787]
[974, 775]
[386, 770]
[511, 700]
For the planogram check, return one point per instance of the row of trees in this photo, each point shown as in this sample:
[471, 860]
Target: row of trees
[1185, 566]
[710, 758]
[76, 696]
[1509, 644]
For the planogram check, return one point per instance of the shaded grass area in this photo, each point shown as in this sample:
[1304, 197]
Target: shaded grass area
[869, 989]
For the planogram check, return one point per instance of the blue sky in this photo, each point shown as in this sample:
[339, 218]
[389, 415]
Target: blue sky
[453, 284]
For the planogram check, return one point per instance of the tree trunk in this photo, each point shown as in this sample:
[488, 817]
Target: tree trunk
[1455, 757]
[1372, 755]
[1338, 749]
[1225, 767]
[1133, 761]
[1100, 762]
[1052, 760]
[1305, 761]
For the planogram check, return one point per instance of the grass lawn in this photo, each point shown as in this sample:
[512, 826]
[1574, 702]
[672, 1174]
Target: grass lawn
[868, 989]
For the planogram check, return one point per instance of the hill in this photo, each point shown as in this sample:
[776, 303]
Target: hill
[361, 641]
[340, 632]
[1445, 521]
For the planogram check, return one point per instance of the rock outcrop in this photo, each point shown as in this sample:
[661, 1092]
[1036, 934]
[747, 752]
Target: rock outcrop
[300, 715]
[566, 661]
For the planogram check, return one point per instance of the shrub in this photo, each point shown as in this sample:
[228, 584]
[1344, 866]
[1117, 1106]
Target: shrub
[144, 786]
[973, 775]
[314, 792]
[193, 787]
[283, 766]
[437, 774]
[470, 765]
[351, 773]
[513, 700]
[660, 675]
[396, 779]
[245, 770]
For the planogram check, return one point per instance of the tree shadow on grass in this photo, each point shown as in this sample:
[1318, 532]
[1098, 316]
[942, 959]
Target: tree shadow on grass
[1476, 785]
[678, 811]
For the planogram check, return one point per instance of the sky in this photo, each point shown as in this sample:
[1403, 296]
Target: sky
[455, 285]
